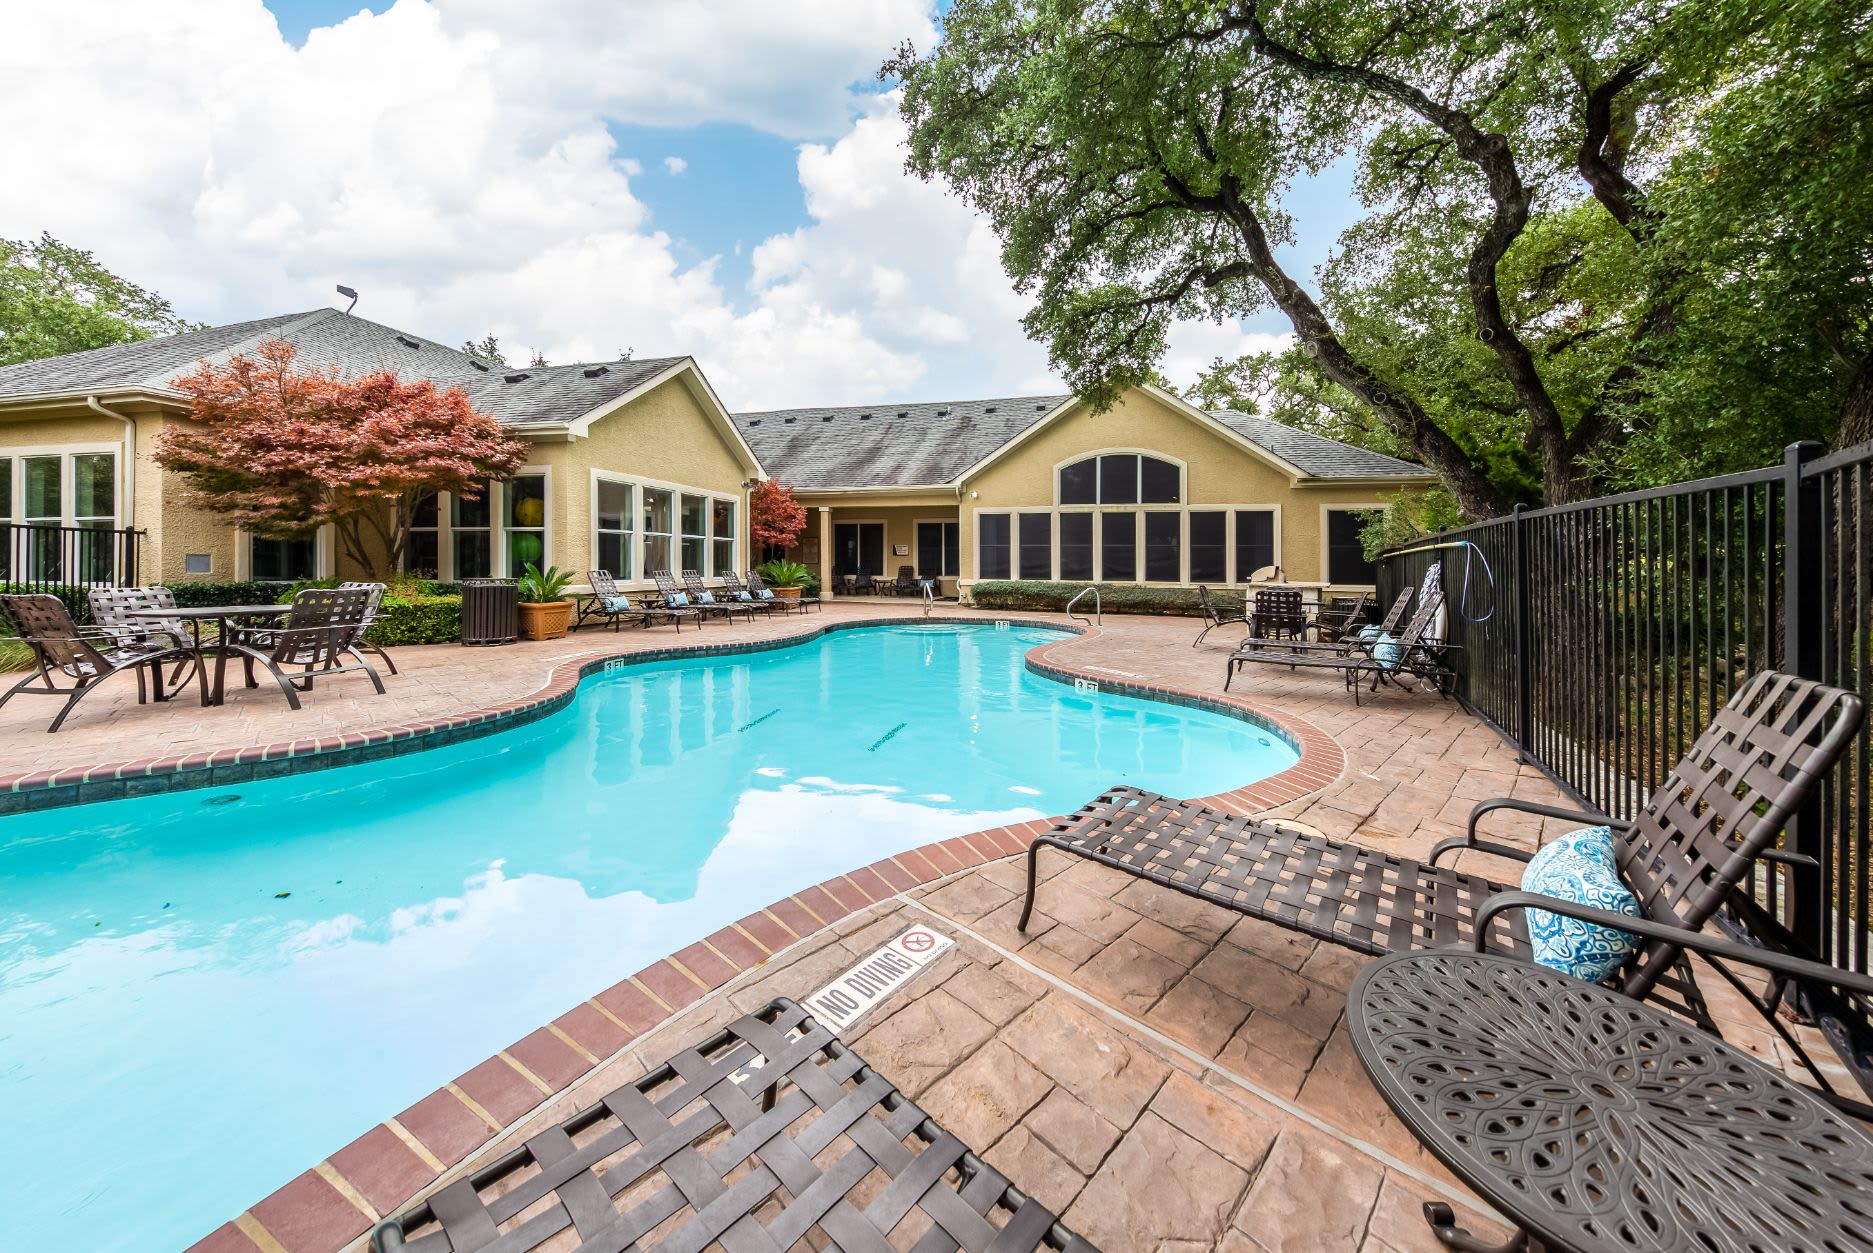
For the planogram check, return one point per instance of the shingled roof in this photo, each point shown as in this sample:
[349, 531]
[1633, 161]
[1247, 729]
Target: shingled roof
[513, 395]
[926, 445]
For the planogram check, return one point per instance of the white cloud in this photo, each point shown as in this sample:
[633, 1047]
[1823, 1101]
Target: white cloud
[455, 166]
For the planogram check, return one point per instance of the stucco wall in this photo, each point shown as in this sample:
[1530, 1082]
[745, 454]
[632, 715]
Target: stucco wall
[900, 527]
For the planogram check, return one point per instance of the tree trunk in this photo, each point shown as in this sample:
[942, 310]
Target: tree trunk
[1856, 412]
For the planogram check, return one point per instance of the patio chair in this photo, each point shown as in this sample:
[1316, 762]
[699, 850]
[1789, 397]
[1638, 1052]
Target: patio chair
[1214, 617]
[1688, 854]
[863, 583]
[906, 583]
[763, 592]
[314, 638]
[608, 601]
[733, 589]
[770, 1134]
[45, 626]
[360, 644]
[1350, 639]
[1343, 617]
[708, 601]
[111, 610]
[1418, 658]
[671, 596]
[1279, 614]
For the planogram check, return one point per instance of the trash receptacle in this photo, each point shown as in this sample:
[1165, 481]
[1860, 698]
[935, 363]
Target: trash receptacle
[490, 611]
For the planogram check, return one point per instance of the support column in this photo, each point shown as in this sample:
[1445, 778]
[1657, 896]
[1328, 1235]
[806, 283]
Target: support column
[825, 552]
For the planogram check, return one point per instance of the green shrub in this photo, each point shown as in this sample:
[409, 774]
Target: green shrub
[73, 597]
[206, 595]
[417, 620]
[14, 655]
[1114, 597]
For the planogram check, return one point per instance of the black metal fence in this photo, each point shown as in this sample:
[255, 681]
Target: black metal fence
[36, 557]
[1601, 637]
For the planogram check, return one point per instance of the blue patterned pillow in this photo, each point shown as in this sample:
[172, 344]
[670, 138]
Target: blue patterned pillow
[1369, 634]
[679, 599]
[705, 598]
[766, 594]
[1580, 867]
[617, 604]
[1387, 652]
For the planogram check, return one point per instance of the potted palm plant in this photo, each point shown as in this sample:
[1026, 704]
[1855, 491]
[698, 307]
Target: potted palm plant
[545, 609]
[786, 578]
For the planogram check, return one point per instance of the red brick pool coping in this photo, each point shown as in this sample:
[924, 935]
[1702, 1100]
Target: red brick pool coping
[339, 1200]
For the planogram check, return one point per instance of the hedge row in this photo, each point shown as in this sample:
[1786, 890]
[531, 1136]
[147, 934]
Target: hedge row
[1113, 597]
[425, 616]
[417, 620]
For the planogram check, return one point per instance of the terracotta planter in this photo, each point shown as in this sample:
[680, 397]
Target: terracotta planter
[786, 593]
[545, 621]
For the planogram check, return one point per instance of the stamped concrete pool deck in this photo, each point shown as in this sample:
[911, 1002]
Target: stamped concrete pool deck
[1163, 1073]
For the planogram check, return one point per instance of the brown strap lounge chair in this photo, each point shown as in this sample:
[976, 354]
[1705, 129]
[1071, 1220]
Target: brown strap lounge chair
[733, 589]
[709, 602]
[87, 658]
[314, 639]
[374, 603]
[1413, 657]
[609, 602]
[1687, 855]
[771, 1134]
[116, 611]
[1343, 617]
[673, 596]
[1279, 614]
[1214, 617]
[1348, 640]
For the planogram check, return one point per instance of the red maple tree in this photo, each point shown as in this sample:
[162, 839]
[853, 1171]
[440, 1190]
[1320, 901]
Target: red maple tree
[283, 450]
[774, 516]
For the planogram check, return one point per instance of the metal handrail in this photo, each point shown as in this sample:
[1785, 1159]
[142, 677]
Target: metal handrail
[1099, 614]
[929, 596]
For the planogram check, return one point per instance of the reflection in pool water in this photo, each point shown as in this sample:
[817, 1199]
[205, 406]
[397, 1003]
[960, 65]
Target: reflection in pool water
[202, 993]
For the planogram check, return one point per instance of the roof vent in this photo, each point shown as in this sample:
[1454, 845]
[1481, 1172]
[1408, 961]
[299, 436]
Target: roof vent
[789, 421]
[479, 365]
[903, 413]
[754, 422]
[515, 378]
[943, 413]
[990, 409]
[1040, 408]
[593, 371]
[864, 417]
[827, 418]
[407, 342]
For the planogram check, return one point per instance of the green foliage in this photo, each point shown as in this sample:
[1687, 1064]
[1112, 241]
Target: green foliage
[784, 574]
[1034, 594]
[56, 299]
[416, 619]
[14, 655]
[74, 598]
[539, 587]
[205, 595]
[1406, 517]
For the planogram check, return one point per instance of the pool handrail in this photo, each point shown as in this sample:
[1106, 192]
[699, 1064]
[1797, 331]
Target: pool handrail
[1099, 615]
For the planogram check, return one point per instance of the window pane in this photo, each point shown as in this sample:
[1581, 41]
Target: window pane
[614, 506]
[1037, 546]
[694, 549]
[613, 550]
[658, 516]
[474, 555]
[281, 560]
[6, 489]
[722, 519]
[1076, 546]
[471, 513]
[1255, 541]
[42, 489]
[1079, 482]
[1207, 547]
[1118, 547]
[930, 549]
[695, 515]
[422, 558]
[526, 501]
[94, 485]
[1161, 482]
[1346, 555]
[992, 546]
[427, 512]
[1161, 548]
[1118, 479]
[656, 554]
[952, 548]
[724, 555]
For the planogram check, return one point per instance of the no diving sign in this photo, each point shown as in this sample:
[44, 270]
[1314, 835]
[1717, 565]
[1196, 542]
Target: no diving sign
[840, 1003]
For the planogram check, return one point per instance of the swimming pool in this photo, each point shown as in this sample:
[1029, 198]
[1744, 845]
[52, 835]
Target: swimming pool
[204, 992]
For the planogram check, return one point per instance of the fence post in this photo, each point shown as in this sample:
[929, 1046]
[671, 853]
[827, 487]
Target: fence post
[1803, 604]
[1524, 661]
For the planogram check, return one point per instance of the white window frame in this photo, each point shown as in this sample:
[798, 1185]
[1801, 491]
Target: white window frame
[67, 481]
[640, 485]
[324, 554]
[630, 531]
[914, 553]
[1326, 546]
[545, 528]
[496, 498]
[1183, 479]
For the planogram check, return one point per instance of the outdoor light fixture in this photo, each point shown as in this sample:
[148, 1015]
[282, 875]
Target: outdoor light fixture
[346, 291]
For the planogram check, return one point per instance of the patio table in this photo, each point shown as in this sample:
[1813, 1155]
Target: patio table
[1595, 1122]
[220, 615]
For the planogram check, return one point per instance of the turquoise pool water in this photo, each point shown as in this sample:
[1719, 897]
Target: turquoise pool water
[178, 1038]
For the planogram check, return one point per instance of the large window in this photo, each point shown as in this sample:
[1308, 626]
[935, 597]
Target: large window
[1255, 541]
[1121, 478]
[614, 551]
[937, 555]
[525, 524]
[1163, 547]
[282, 560]
[992, 545]
[1037, 545]
[1346, 554]
[722, 537]
[452, 536]
[659, 529]
[1118, 547]
[1209, 549]
[695, 533]
[471, 534]
[59, 489]
[1076, 546]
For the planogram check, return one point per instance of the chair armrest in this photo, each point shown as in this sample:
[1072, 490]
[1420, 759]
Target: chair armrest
[1696, 941]
[1469, 840]
[1782, 857]
[1459, 843]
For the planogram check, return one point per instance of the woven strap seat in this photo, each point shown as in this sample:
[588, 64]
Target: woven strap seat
[1359, 897]
[770, 1135]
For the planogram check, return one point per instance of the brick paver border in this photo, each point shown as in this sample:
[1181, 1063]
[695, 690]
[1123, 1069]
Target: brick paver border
[337, 1201]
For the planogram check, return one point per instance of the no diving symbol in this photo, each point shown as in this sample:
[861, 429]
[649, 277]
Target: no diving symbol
[918, 941]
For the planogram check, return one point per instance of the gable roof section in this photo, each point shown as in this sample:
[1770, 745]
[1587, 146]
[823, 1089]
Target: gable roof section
[891, 445]
[147, 364]
[1315, 455]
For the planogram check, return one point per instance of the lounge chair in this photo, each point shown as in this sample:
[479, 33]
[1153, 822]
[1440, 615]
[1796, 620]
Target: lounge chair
[1413, 656]
[733, 589]
[45, 626]
[1214, 617]
[771, 1134]
[1685, 856]
[1279, 614]
[609, 602]
[763, 592]
[906, 582]
[1344, 617]
[314, 639]
[360, 644]
[112, 610]
[1347, 642]
[671, 595]
[708, 601]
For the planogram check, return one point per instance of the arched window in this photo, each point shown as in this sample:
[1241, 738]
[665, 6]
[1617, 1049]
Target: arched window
[1121, 478]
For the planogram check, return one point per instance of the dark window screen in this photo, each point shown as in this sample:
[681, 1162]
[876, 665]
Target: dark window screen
[1207, 547]
[1118, 479]
[1346, 556]
[1037, 546]
[1161, 548]
[1076, 546]
[1255, 542]
[1118, 547]
[992, 546]
[1079, 482]
[1161, 487]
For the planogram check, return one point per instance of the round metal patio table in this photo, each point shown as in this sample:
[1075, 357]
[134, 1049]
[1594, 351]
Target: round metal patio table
[1597, 1123]
[220, 615]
